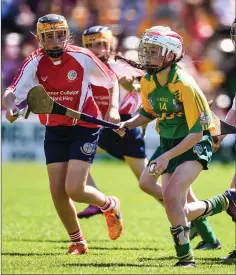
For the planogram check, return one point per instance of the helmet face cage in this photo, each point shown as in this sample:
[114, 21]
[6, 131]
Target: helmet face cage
[53, 33]
[233, 33]
[156, 45]
[92, 39]
[152, 58]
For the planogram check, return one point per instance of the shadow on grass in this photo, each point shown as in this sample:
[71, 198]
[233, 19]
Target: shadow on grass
[109, 265]
[28, 254]
[124, 248]
[200, 261]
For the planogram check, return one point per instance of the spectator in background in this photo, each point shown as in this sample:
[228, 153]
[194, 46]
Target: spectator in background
[12, 57]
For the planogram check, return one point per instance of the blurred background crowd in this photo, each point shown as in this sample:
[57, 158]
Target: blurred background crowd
[204, 25]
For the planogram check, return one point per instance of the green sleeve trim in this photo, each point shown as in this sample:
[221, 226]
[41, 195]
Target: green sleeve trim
[146, 114]
[147, 77]
[197, 127]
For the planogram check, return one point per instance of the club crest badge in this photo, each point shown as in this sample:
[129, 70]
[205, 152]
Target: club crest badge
[88, 148]
[72, 75]
[177, 105]
[197, 149]
[204, 118]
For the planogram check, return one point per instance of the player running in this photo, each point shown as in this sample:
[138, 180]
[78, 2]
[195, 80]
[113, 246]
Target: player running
[184, 122]
[230, 119]
[65, 71]
[98, 39]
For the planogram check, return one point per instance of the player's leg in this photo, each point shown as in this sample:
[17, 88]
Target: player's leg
[65, 207]
[175, 200]
[82, 153]
[108, 142]
[56, 148]
[137, 165]
[231, 257]
[217, 204]
[149, 185]
[202, 226]
[90, 210]
[233, 183]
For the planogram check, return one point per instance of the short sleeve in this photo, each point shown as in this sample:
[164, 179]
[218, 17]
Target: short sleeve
[197, 111]
[24, 81]
[146, 108]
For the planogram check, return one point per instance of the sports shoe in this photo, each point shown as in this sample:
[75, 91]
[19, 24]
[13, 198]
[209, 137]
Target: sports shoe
[231, 196]
[78, 248]
[203, 245]
[186, 264]
[88, 212]
[193, 231]
[230, 258]
[114, 220]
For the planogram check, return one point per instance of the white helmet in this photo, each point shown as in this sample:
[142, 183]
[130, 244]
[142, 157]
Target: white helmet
[168, 41]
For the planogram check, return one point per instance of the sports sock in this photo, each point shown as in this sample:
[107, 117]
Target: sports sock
[109, 204]
[205, 230]
[217, 203]
[76, 237]
[183, 248]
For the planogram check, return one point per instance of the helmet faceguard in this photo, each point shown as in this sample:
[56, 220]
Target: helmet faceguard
[98, 34]
[53, 34]
[159, 49]
[233, 33]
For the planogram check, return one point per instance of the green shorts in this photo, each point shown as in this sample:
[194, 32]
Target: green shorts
[202, 152]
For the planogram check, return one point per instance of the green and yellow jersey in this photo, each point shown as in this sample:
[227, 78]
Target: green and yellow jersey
[179, 106]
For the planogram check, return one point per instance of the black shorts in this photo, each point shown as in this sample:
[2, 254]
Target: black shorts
[202, 152]
[63, 143]
[131, 145]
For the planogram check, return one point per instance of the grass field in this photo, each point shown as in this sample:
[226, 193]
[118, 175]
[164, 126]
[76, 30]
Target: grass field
[34, 241]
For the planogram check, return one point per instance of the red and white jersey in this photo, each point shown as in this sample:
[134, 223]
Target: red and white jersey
[66, 81]
[129, 102]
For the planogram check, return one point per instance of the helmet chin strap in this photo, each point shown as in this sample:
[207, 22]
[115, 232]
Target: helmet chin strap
[152, 71]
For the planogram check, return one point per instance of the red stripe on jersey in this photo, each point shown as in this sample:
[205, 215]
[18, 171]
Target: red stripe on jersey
[22, 67]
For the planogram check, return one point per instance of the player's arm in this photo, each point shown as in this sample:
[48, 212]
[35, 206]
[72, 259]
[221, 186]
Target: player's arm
[230, 119]
[17, 92]
[112, 112]
[231, 115]
[126, 83]
[145, 115]
[100, 75]
[8, 101]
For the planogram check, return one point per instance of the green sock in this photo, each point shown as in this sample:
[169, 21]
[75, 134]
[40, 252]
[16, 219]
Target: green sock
[205, 230]
[218, 203]
[183, 248]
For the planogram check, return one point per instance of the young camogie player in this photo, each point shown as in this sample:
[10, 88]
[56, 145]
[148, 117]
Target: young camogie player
[98, 39]
[65, 71]
[183, 122]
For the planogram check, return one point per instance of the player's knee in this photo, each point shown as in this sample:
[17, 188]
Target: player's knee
[143, 185]
[58, 193]
[75, 192]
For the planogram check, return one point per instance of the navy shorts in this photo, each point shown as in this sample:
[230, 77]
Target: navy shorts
[63, 143]
[132, 145]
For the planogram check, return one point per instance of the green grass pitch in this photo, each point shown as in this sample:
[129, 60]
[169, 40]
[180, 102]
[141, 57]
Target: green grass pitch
[34, 240]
